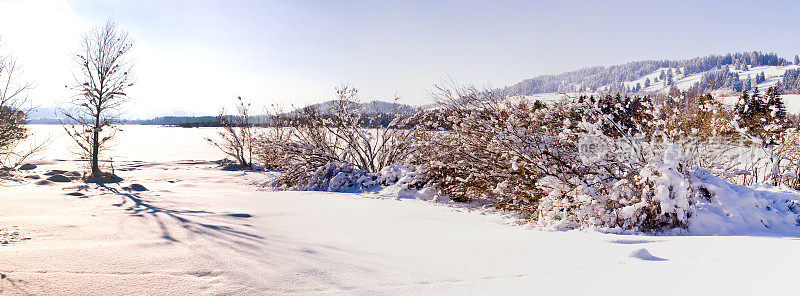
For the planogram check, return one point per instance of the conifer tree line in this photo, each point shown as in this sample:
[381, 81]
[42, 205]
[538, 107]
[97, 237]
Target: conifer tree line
[791, 81]
[764, 115]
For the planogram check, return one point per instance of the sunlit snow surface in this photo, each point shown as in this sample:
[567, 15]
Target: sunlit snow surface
[201, 230]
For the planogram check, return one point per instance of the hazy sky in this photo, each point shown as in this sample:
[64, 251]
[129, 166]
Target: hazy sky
[196, 56]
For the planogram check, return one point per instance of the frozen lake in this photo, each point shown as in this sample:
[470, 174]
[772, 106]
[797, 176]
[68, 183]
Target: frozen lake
[149, 143]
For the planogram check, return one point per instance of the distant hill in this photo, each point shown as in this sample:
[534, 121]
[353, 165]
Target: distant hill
[40, 113]
[735, 71]
[175, 120]
[50, 115]
[368, 108]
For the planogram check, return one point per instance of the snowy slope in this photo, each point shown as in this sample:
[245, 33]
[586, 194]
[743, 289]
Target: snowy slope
[626, 77]
[742, 210]
[773, 74]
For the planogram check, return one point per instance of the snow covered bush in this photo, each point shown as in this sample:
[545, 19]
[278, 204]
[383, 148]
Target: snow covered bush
[616, 163]
[514, 152]
[656, 197]
[612, 162]
[638, 180]
[704, 131]
[343, 144]
[486, 151]
[334, 176]
[236, 137]
[343, 177]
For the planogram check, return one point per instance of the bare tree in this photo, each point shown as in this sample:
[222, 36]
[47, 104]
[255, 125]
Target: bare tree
[12, 115]
[102, 78]
[236, 137]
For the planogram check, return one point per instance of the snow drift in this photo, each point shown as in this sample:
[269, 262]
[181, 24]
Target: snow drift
[732, 209]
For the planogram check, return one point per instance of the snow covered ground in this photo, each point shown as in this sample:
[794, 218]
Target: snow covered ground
[200, 230]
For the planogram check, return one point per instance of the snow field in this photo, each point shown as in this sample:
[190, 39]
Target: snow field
[200, 230]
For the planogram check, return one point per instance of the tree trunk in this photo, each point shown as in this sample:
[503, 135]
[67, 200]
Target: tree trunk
[95, 149]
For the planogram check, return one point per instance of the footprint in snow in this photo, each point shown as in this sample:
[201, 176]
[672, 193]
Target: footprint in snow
[643, 254]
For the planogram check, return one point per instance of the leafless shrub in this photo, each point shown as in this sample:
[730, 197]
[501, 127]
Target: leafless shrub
[100, 86]
[310, 142]
[237, 134]
[702, 127]
[480, 157]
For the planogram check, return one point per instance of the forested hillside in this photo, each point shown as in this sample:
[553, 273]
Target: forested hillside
[704, 73]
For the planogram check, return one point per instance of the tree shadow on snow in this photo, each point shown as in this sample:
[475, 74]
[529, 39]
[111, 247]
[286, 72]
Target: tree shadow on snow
[15, 287]
[307, 262]
[227, 229]
[231, 231]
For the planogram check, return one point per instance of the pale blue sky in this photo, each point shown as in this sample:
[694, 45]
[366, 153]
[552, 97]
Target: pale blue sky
[195, 56]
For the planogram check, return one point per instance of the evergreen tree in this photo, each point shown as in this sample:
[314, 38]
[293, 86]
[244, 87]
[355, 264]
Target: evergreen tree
[630, 115]
[775, 107]
[736, 84]
[756, 99]
[741, 109]
[647, 82]
[760, 78]
[750, 114]
[775, 123]
[791, 81]
[748, 84]
[796, 60]
[670, 80]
